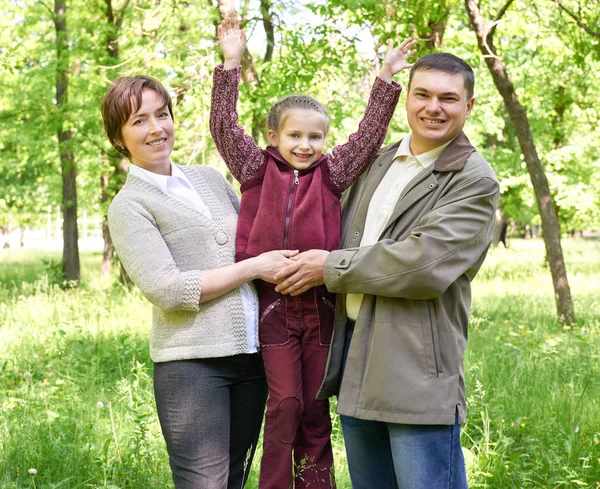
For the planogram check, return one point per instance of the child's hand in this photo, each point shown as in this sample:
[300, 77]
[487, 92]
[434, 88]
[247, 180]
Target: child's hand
[233, 42]
[396, 59]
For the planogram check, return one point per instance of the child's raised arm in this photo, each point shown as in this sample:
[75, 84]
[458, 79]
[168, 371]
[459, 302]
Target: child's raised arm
[239, 151]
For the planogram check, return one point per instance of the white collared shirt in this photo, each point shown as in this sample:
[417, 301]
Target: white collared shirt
[178, 186]
[404, 168]
[175, 185]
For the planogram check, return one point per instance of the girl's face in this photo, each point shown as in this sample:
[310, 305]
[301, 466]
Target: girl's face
[149, 134]
[300, 137]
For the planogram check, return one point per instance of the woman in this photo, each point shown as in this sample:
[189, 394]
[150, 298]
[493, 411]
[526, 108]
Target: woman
[174, 230]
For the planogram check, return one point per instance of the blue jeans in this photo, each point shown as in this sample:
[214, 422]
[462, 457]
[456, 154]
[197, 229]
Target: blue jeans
[397, 456]
[210, 411]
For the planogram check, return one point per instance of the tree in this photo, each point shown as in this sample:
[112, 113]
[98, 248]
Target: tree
[70, 261]
[114, 165]
[518, 116]
[333, 56]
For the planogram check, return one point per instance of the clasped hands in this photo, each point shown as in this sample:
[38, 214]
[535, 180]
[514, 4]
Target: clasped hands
[300, 272]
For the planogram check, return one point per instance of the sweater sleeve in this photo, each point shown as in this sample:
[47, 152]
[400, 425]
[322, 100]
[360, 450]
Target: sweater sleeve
[148, 261]
[239, 151]
[352, 158]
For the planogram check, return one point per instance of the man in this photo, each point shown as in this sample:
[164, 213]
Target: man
[416, 230]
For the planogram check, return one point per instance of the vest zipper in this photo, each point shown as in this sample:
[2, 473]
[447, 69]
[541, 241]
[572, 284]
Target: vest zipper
[288, 211]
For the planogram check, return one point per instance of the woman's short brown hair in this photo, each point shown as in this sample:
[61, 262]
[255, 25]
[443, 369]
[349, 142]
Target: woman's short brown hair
[123, 98]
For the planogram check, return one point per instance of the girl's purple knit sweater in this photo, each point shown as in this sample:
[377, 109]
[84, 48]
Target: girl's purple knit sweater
[282, 208]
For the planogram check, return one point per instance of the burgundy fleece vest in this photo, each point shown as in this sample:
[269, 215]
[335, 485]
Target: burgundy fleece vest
[279, 211]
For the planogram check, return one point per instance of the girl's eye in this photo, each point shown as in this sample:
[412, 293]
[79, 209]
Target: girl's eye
[164, 114]
[293, 135]
[137, 122]
[316, 137]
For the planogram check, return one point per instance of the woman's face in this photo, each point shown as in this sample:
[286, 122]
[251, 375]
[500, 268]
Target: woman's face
[149, 134]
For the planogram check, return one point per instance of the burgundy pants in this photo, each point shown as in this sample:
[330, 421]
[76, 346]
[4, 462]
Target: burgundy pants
[294, 334]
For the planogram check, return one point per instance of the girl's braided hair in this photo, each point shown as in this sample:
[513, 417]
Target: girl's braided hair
[303, 102]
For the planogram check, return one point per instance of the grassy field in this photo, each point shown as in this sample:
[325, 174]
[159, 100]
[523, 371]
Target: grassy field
[76, 399]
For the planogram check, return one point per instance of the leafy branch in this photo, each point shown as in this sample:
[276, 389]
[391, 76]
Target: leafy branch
[578, 20]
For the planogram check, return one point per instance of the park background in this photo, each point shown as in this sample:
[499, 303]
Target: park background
[76, 404]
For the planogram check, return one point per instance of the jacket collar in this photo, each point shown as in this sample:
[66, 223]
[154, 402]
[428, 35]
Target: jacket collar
[272, 151]
[455, 155]
[453, 158]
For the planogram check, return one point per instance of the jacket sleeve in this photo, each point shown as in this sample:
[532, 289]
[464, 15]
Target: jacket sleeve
[352, 158]
[239, 151]
[148, 261]
[446, 243]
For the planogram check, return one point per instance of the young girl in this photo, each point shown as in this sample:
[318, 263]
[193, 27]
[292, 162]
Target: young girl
[291, 200]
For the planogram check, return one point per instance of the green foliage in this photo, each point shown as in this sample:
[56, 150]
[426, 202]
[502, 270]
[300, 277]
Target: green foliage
[532, 398]
[334, 56]
[76, 400]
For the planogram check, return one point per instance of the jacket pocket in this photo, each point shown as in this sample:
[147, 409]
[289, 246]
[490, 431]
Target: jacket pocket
[272, 325]
[431, 342]
[326, 310]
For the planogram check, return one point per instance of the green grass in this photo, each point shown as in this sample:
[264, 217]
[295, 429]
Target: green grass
[76, 398]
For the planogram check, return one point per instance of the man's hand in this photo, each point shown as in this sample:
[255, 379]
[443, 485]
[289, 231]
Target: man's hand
[396, 59]
[305, 273]
[233, 42]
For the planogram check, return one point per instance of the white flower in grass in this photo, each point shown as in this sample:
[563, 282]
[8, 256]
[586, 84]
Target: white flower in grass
[32, 471]
[99, 404]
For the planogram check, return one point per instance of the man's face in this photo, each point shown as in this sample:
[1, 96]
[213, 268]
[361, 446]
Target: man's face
[437, 108]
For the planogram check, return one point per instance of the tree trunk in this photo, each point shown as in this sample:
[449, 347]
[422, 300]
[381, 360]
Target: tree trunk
[70, 262]
[114, 166]
[265, 11]
[437, 29]
[554, 254]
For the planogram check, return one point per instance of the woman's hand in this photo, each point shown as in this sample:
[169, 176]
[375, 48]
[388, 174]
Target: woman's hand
[233, 42]
[268, 264]
[304, 273]
[396, 59]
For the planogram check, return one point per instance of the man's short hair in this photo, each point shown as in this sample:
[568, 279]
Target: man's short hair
[446, 63]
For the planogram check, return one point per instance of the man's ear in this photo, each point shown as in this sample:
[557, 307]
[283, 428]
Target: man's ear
[470, 104]
[273, 139]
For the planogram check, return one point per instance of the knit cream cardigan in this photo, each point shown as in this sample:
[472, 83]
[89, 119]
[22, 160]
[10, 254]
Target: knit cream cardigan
[164, 246]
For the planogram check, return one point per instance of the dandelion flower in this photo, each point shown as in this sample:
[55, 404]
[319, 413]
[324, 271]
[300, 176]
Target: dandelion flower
[100, 405]
[32, 471]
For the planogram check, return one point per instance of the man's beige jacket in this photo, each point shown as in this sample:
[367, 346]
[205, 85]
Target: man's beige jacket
[405, 362]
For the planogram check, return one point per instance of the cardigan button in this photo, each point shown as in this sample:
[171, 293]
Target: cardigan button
[432, 185]
[221, 238]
